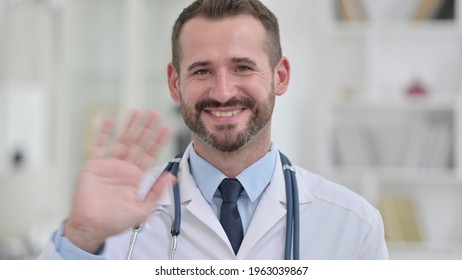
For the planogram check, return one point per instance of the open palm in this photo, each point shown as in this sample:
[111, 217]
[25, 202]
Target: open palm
[107, 200]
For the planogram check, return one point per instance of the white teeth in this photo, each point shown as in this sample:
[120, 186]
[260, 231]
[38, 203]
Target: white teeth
[225, 114]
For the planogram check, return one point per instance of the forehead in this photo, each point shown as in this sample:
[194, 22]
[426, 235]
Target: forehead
[238, 36]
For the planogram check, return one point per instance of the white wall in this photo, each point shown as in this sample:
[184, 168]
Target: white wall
[295, 117]
[32, 197]
[78, 53]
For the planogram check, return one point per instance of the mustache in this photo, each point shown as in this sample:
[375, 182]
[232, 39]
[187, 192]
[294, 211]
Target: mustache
[212, 103]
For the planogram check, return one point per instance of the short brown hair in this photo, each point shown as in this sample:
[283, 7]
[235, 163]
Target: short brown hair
[221, 9]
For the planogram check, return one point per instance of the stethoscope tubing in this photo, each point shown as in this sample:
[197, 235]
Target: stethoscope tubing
[173, 168]
[292, 239]
[292, 224]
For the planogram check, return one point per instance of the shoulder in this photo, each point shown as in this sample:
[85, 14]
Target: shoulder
[334, 196]
[149, 179]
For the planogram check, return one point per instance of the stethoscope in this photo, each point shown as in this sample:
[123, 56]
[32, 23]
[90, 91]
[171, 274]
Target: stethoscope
[292, 239]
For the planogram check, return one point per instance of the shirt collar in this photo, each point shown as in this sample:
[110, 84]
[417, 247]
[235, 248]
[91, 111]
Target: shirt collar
[254, 179]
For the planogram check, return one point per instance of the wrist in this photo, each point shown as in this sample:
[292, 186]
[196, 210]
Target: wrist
[83, 237]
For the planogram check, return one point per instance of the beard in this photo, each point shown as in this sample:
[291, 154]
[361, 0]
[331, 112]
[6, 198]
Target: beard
[225, 138]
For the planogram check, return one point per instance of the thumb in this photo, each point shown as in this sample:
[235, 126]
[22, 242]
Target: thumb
[165, 179]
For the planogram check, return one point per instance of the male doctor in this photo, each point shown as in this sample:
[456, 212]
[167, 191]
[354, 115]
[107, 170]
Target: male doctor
[226, 72]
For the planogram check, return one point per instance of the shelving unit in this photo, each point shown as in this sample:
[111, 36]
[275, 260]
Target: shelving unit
[392, 114]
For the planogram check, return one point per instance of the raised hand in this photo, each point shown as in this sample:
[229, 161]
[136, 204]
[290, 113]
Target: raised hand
[106, 200]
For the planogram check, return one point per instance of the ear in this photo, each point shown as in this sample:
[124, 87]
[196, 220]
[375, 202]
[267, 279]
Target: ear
[281, 76]
[173, 82]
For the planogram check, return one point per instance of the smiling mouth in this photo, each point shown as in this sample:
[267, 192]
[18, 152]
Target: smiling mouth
[227, 114]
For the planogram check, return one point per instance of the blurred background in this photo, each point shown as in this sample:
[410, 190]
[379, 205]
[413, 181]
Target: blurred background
[375, 103]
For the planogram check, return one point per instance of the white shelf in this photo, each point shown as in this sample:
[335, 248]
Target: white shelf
[424, 251]
[402, 28]
[368, 67]
[418, 104]
[398, 175]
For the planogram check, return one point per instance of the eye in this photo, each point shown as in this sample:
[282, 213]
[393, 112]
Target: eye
[201, 72]
[242, 68]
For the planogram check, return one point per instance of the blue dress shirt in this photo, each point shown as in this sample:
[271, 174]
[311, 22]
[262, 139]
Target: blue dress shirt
[254, 179]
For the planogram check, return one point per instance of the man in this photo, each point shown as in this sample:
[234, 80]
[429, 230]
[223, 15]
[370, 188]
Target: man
[226, 72]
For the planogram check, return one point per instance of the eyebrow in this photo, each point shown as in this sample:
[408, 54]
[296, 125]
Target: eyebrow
[234, 60]
[198, 64]
[245, 60]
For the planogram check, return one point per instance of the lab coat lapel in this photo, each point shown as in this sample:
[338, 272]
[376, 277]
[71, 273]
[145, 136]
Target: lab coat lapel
[270, 210]
[196, 204]
[199, 208]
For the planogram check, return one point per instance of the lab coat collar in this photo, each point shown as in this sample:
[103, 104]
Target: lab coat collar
[184, 179]
[188, 193]
[278, 193]
[273, 199]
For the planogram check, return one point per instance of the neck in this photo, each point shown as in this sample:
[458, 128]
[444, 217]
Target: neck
[233, 163]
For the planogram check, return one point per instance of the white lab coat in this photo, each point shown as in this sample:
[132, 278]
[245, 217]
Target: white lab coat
[335, 223]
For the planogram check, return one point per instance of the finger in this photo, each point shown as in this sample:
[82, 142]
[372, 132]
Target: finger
[147, 158]
[100, 146]
[132, 125]
[121, 148]
[151, 128]
[165, 179]
[164, 134]
[139, 141]
[147, 132]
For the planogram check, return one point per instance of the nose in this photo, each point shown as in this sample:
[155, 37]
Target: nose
[224, 87]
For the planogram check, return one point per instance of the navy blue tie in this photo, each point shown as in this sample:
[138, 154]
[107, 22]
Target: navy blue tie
[230, 219]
